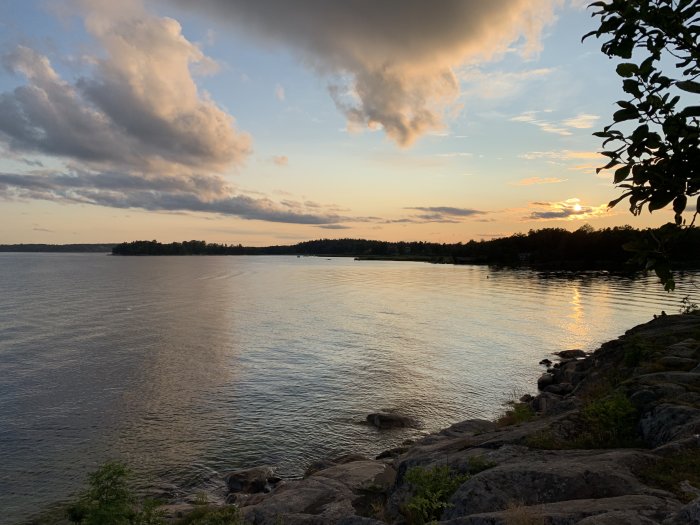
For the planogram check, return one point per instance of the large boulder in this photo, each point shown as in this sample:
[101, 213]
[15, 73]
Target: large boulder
[251, 480]
[328, 496]
[543, 477]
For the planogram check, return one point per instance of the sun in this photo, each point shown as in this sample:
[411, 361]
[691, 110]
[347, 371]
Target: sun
[577, 207]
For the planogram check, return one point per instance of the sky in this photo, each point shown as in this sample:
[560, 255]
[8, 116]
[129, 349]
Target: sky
[275, 121]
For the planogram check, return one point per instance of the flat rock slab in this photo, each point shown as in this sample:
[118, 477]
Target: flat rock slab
[623, 510]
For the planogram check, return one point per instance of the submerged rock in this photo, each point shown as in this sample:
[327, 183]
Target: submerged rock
[390, 420]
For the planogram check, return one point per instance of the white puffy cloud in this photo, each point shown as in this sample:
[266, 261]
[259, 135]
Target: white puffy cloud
[391, 63]
[139, 108]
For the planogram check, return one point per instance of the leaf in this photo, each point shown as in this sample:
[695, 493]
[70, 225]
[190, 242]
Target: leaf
[691, 111]
[621, 174]
[679, 203]
[626, 69]
[689, 85]
[660, 200]
[625, 114]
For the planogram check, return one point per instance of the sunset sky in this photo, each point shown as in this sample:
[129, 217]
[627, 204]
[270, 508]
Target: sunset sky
[275, 121]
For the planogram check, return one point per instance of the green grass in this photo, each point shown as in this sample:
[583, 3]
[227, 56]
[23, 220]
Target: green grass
[517, 413]
[669, 472]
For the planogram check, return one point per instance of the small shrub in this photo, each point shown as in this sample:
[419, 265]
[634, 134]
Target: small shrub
[110, 500]
[432, 489]
[637, 351]
[688, 306]
[516, 414]
[608, 422]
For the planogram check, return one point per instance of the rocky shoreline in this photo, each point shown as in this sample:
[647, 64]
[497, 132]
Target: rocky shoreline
[612, 438]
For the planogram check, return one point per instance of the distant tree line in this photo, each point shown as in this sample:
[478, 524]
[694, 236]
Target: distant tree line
[548, 248]
[58, 248]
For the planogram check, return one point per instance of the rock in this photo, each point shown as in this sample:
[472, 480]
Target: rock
[546, 362]
[668, 422]
[390, 420]
[561, 389]
[545, 380]
[678, 363]
[327, 496]
[539, 477]
[626, 509]
[688, 348]
[688, 515]
[469, 427]
[526, 398]
[571, 354]
[323, 464]
[392, 453]
[252, 480]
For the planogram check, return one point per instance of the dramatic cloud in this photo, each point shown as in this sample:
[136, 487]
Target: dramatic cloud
[391, 63]
[538, 180]
[570, 209]
[139, 109]
[162, 193]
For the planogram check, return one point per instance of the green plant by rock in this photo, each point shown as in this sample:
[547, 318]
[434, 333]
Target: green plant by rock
[609, 422]
[110, 500]
[432, 489]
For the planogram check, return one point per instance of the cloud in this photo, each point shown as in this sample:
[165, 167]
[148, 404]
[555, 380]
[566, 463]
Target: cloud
[561, 155]
[570, 209]
[499, 84]
[160, 193]
[538, 180]
[280, 160]
[448, 210]
[334, 227]
[139, 108]
[586, 161]
[440, 214]
[391, 63]
[279, 93]
[582, 121]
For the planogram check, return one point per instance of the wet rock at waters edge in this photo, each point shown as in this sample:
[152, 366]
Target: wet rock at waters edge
[251, 480]
[545, 380]
[561, 389]
[571, 354]
[390, 420]
[546, 362]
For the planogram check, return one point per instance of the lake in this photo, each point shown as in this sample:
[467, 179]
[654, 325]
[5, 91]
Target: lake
[187, 367]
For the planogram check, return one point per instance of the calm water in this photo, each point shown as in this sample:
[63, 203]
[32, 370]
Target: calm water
[187, 367]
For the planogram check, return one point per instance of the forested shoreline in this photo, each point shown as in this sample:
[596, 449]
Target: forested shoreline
[551, 248]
